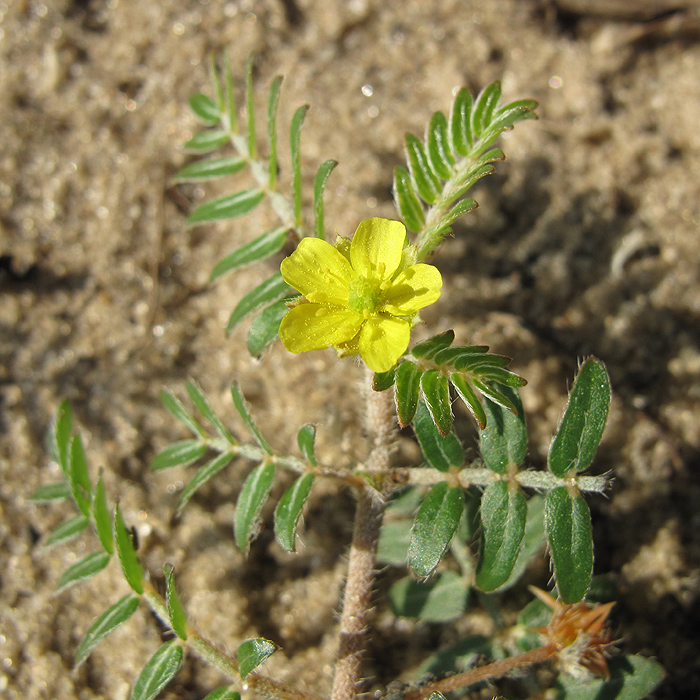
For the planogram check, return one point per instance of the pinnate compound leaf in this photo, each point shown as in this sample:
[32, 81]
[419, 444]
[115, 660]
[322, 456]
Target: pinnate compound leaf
[204, 473]
[102, 517]
[503, 518]
[568, 524]
[254, 493]
[182, 452]
[289, 510]
[229, 206]
[265, 327]
[244, 411]
[104, 624]
[436, 392]
[440, 599]
[407, 203]
[205, 109]
[207, 141]
[51, 492]
[631, 678]
[439, 150]
[67, 530]
[581, 428]
[460, 129]
[226, 692]
[407, 392]
[440, 451]
[177, 409]
[270, 290]
[82, 570]
[427, 349]
[264, 246]
[503, 442]
[434, 527]
[201, 402]
[424, 179]
[210, 169]
[320, 181]
[159, 670]
[252, 653]
[306, 439]
[131, 565]
[178, 619]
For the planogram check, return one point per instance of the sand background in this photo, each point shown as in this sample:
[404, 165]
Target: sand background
[586, 242]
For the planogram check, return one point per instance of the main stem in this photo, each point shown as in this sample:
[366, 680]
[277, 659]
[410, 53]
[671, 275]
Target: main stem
[368, 520]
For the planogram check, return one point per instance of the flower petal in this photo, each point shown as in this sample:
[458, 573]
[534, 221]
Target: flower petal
[316, 326]
[383, 339]
[414, 288]
[376, 248]
[319, 271]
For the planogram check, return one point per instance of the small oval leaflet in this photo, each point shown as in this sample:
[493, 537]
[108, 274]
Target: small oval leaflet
[158, 671]
[252, 653]
[582, 426]
[568, 525]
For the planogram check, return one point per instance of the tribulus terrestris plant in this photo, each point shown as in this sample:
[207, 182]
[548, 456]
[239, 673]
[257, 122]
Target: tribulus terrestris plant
[467, 529]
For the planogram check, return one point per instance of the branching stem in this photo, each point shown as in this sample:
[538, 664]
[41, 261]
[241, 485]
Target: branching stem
[484, 673]
[223, 662]
[371, 505]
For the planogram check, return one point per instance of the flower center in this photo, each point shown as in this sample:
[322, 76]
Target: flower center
[364, 296]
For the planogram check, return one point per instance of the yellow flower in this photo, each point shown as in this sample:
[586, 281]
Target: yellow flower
[360, 296]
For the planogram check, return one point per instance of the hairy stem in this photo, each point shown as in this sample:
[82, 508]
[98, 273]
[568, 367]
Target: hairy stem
[226, 664]
[368, 520]
[483, 673]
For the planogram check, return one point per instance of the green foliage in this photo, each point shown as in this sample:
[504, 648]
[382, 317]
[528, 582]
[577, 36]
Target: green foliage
[67, 531]
[442, 598]
[131, 565]
[222, 132]
[440, 451]
[581, 428]
[456, 499]
[434, 527]
[289, 511]
[434, 365]
[252, 653]
[503, 518]
[158, 671]
[631, 678]
[107, 622]
[503, 442]
[83, 570]
[254, 493]
[451, 158]
[176, 613]
[244, 411]
[568, 524]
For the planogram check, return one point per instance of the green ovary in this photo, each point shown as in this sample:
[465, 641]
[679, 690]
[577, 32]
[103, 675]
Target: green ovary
[364, 296]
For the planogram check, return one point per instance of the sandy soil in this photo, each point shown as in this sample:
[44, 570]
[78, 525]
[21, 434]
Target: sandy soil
[586, 241]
